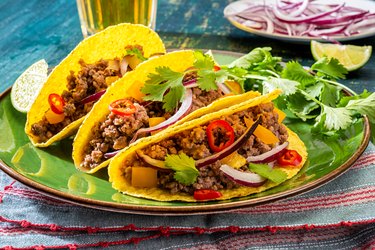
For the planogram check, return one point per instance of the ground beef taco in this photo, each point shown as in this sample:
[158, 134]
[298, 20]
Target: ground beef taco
[83, 77]
[232, 152]
[125, 114]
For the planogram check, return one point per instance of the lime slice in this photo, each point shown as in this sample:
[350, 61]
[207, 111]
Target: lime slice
[351, 56]
[27, 86]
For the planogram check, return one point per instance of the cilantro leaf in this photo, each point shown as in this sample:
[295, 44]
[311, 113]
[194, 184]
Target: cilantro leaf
[274, 174]
[287, 86]
[184, 167]
[302, 107]
[206, 75]
[134, 51]
[315, 90]
[294, 71]
[334, 118]
[158, 84]
[364, 106]
[257, 59]
[331, 67]
[330, 94]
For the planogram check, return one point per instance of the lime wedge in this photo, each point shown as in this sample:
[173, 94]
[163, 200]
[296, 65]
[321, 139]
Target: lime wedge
[351, 56]
[27, 86]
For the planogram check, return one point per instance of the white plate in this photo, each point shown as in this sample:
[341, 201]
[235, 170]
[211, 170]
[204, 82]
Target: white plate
[240, 5]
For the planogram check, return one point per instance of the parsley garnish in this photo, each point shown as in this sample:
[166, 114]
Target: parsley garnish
[134, 51]
[274, 174]
[184, 167]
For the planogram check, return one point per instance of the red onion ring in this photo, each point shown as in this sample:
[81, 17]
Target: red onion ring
[93, 97]
[242, 178]
[183, 110]
[269, 156]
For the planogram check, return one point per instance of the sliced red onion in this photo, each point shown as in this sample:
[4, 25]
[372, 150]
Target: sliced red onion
[243, 178]
[158, 164]
[269, 156]
[227, 151]
[93, 97]
[191, 83]
[183, 110]
[111, 154]
[224, 88]
[124, 66]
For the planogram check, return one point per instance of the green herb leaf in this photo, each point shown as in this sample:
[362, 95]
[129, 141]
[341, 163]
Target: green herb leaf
[334, 118]
[274, 174]
[204, 64]
[364, 106]
[287, 86]
[136, 52]
[158, 84]
[294, 71]
[302, 107]
[331, 67]
[184, 167]
[330, 94]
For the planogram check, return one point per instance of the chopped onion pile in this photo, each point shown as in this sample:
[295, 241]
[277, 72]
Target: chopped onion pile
[303, 18]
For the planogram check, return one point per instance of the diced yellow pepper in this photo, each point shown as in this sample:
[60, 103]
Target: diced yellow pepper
[133, 61]
[144, 177]
[234, 87]
[110, 79]
[235, 160]
[153, 121]
[281, 114]
[54, 118]
[264, 134]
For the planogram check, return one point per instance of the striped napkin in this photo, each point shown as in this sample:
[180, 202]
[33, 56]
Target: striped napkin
[338, 215]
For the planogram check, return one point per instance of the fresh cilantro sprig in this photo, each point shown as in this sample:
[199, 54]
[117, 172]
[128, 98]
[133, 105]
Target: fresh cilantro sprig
[184, 167]
[134, 51]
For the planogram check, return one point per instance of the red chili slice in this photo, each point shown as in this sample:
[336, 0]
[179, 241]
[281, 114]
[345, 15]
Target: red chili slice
[290, 158]
[216, 68]
[56, 103]
[206, 194]
[220, 135]
[123, 107]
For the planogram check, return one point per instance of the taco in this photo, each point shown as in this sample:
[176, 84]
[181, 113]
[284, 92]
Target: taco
[83, 76]
[125, 114]
[233, 152]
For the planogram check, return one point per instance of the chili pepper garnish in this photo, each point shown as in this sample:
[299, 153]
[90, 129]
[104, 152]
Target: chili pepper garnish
[290, 158]
[56, 103]
[216, 68]
[206, 194]
[123, 107]
[220, 135]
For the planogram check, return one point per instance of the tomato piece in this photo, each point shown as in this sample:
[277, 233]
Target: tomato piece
[220, 135]
[123, 107]
[56, 102]
[290, 158]
[206, 194]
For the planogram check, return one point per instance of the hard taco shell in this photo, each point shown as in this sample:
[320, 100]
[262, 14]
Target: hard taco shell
[107, 44]
[120, 183]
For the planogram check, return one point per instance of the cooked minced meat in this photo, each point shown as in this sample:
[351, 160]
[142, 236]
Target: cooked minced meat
[194, 144]
[88, 81]
[110, 136]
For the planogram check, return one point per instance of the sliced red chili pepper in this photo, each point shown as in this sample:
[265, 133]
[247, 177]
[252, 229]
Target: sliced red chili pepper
[206, 194]
[220, 135]
[123, 107]
[56, 103]
[216, 68]
[290, 158]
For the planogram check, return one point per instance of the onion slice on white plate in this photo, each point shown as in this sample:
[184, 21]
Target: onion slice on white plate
[269, 156]
[242, 178]
[182, 111]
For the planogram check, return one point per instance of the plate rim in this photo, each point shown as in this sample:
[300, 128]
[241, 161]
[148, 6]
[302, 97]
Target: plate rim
[298, 39]
[189, 209]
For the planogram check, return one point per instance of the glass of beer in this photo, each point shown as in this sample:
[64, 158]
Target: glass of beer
[96, 15]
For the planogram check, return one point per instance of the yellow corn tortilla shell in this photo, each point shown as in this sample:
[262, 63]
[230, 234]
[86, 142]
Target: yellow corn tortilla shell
[120, 183]
[108, 44]
[177, 61]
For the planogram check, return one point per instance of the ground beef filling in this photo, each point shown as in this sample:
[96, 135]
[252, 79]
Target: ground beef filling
[88, 81]
[113, 134]
[194, 144]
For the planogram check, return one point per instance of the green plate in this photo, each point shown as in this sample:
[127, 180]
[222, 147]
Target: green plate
[51, 170]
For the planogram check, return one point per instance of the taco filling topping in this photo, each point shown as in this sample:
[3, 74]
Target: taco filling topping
[83, 89]
[213, 156]
[127, 116]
